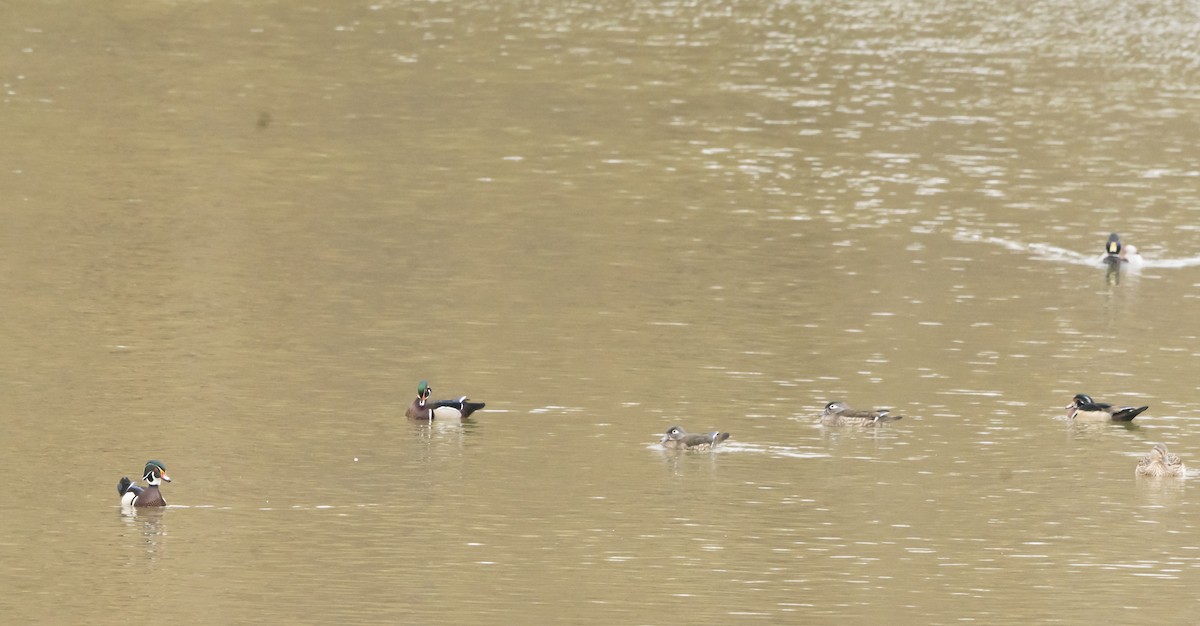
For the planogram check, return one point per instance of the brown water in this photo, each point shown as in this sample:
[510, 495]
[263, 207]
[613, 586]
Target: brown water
[236, 236]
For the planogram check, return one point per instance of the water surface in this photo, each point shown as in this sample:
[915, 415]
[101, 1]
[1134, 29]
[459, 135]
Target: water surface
[237, 236]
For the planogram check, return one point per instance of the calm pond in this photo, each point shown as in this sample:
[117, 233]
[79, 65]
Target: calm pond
[237, 236]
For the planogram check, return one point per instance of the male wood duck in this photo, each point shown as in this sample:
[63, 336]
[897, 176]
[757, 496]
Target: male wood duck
[1160, 463]
[1116, 253]
[133, 495]
[838, 414]
[1083, 407]
[676, 438]
[423, 409]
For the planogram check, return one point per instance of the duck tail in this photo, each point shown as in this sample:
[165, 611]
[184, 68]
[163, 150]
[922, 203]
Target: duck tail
[1128, 413]
[470, 407]
[124, 485]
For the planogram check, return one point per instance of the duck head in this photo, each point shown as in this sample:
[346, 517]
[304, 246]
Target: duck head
[674, 432]
[1080, 400]
[423, 391]
[154, 472]
[835, 407]
[1113, 247]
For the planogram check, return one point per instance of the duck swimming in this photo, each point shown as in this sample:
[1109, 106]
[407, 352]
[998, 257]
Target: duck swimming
[839, 414]
[1117, 253]
[1160, 463]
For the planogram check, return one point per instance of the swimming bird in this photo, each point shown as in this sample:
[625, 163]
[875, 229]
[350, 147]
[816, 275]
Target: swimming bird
[676, 438]
[838, 414]
[1116, 253]
[1160, 463]
[133, 495]
[422, 409]
[1083, 407]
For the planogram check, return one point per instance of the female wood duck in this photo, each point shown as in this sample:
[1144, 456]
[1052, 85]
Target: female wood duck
[133, 495]
[1116, 253]
[677, 438]
[1083, 407]
[838, 414]
[1160, 463]
[423, 409]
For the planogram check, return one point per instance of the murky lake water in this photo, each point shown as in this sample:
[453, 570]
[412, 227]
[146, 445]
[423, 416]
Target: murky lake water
[237, 236]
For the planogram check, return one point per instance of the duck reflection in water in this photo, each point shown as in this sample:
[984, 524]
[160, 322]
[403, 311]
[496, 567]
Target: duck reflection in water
[148, 526]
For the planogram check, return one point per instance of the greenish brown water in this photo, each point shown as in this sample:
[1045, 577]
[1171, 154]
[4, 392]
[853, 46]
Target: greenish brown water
[236, 236]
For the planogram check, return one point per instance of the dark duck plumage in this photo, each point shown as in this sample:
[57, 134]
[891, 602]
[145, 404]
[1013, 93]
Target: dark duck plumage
[150, 495]
[838, 414]
[676, 438]
[422, 409]
[1117, 253]
[1083, 407]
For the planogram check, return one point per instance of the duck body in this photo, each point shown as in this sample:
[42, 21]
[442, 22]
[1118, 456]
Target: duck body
[1084, 408]
[1119, 254]
[150, 495]
[1160, 463]
[839, 414]
[676, 438]
[422, 408]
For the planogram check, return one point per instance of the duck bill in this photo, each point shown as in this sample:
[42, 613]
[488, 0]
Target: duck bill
[165, 477]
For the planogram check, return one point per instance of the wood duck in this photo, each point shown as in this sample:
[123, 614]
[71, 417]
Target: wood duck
[838, 414]
[1116, 253]
[133, 495]
[1160, 463]
[1083, 407]
[423, 409]
[676, 438]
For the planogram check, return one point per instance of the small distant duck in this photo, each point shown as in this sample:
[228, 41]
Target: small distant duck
[133, 495]
[1083, 407]
[1116, 253]
[423, 409]
[838, 414]
[676, 438]
[1160, 463]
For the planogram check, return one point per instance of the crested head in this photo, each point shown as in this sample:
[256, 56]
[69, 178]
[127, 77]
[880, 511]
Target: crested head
[835, 406]
[1082, 399]
[424, 391]
[1113, 246]
[155, 470]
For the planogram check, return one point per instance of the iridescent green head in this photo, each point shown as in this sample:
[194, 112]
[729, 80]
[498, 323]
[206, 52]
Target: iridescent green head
[154, 471]
[423, 389]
